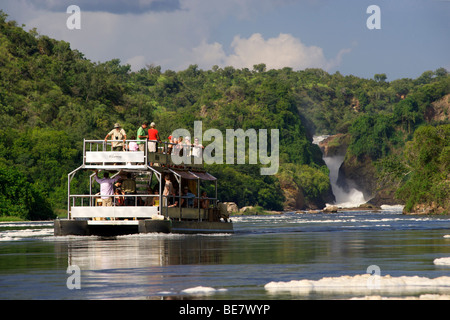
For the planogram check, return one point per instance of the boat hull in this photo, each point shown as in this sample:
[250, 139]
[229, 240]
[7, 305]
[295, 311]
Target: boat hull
[187, 227]
[63, 227]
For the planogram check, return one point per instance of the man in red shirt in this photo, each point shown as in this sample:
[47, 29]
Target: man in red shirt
[153, 138]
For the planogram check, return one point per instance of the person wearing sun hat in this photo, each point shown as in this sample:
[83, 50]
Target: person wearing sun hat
[118, 137]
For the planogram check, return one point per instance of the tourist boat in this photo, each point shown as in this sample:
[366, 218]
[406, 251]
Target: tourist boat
[143, 212]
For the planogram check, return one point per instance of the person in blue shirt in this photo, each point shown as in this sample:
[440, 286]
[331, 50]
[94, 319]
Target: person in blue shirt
[187, 199]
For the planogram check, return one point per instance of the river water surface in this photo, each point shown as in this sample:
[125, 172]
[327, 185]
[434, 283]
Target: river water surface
[268, 257]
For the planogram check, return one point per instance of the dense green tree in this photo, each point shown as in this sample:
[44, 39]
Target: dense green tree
[427, 158]
[19, 198]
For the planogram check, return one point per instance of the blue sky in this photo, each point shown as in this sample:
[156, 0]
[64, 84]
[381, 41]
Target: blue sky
[328, 34]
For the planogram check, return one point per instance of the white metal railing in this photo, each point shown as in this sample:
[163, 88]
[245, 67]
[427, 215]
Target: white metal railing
[101, 153]
[88, 206]
[117, 199]
[136, 200]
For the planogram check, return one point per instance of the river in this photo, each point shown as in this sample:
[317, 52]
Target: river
[268, 257]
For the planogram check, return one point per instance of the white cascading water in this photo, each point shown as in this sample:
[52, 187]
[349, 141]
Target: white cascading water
[344, 198]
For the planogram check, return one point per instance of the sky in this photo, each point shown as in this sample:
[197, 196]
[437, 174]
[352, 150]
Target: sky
[412, 36]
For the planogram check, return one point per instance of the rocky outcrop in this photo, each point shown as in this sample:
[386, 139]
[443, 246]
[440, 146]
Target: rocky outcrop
[432, 208]
[295, 198]
[246, 209]
[335, 145]
[231, 207]
[385, 195]
[439, 110]
[358, 174]
[330, 209]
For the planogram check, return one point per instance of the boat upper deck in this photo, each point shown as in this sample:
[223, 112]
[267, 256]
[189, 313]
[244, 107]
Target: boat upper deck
[100, 154]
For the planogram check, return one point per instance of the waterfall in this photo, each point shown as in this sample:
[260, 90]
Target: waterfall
[348, 198]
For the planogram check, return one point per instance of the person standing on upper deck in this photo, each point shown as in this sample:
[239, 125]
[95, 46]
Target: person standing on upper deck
[142, 136]
[197, 148]
[117, 134]
[153, 138]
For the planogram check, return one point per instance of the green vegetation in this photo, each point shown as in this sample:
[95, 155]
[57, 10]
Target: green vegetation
[253, 211]
[19, 198]
[52, 97]
[425, 170]
[422, 171]
[378, 133]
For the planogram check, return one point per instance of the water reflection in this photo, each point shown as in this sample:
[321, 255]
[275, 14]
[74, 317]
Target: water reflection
[143, 266]
[145, 251]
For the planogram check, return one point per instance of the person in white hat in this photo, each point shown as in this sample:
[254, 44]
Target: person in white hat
[118, 137]
[153, 138]
[187, 146]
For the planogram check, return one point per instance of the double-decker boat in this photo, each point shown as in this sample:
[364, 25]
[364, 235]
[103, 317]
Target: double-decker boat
[144, 209]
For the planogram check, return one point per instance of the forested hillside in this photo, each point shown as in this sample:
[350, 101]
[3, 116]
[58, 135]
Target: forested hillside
[52, 97]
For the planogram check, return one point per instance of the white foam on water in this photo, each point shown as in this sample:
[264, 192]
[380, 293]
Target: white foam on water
[20, 234]
[319, 139]
[442, 261]
[26, 224]
[200, 290]
[298, 219]
[360, 284]
[6, 238]
[394, 208]
[167, 293]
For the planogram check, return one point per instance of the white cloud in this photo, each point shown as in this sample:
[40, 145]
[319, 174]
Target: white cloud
[206, 55]
[282, 51]
[174, 39]
[137, 62]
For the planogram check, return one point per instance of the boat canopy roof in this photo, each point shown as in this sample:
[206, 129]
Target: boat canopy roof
[193, 175]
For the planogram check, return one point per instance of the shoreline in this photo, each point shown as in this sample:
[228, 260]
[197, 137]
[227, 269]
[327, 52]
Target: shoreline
[329, 210]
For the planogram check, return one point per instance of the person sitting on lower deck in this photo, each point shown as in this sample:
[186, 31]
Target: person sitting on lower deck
[156, 197]
[119, 200]
[204, 201]
[149, 199]
[187, 199]
[129, 187]
[175, 203]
